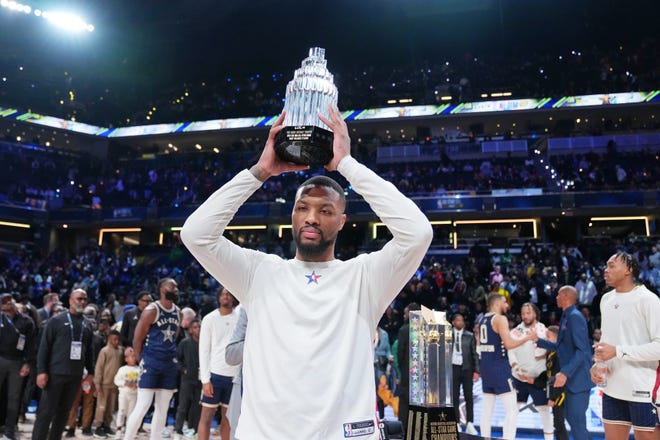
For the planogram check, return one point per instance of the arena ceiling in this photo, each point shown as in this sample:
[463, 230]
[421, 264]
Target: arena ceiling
[143, 47]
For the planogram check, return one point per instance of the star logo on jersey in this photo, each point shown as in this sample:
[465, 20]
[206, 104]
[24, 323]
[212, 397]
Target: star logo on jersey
[313, 278]
[168, 335]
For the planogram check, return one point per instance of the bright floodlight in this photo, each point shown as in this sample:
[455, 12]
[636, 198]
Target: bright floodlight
[67, 22]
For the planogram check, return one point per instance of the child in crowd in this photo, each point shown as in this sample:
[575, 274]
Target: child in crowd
[555, 395]
[126, 380]
[107, 365]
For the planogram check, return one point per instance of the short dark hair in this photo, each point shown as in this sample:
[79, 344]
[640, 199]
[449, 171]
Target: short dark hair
[631, 263]
[492, 297]
[534, 307]
[553, 329]
[114, 332]
[163, 281]
[457, 314]
[324, 181]
[144, 293]
[235, 301]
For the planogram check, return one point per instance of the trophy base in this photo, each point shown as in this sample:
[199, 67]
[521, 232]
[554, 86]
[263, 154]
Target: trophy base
[304, 145]
[430, 423]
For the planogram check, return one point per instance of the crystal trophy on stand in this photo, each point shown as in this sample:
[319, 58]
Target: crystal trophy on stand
[431, 415]
[305, 139]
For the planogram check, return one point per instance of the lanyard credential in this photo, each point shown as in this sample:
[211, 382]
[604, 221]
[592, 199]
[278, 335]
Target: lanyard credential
[68, 316]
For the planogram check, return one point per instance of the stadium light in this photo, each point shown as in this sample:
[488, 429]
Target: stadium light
[64, 20]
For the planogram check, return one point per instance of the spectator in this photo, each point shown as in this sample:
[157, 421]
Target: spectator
[17, 355]
[465, 362]
[131, 318]
[126, 381]
[187, 353]
[64, 351]
[107, 365]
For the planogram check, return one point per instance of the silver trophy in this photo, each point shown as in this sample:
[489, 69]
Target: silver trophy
[305, 139]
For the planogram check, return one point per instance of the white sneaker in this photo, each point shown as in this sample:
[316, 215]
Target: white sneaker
[166, 433]
[470, 429]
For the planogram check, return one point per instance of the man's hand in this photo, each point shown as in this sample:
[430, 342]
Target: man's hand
[475, 376]
[207, 389]
[42, 380]
[269, 163]
[603, 352]
[341, 146]
[597, 377]
[25, 370]
[560, 380]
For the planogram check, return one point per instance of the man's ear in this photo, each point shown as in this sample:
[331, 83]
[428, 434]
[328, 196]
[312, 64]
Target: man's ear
[343, 221]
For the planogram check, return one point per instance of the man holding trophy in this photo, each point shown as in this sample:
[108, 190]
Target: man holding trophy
[308, 356]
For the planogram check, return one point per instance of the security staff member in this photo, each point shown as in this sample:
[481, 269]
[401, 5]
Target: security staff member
[17, 353]
[65, 349]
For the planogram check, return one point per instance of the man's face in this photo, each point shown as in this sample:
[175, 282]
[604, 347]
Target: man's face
[596, 335]
[171, 290]
[226, 299]
[616, 271]
[113, 340]
[500, 305]
[318, 216]
[528, 315]
[77, 302]
[458, 322]
[144, 302]
[8, 306]
[561, 296]
[194, 330]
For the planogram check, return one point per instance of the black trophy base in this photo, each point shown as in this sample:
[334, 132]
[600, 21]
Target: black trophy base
[432, 423]
[304, 145]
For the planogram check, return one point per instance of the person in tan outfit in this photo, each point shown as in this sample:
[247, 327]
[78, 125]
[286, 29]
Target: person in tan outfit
[109, 361]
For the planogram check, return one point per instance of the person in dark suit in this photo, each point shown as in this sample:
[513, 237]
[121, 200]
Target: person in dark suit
[403, 356]
[574, 351]
[131, 318]
[45, 312]
[465, 363]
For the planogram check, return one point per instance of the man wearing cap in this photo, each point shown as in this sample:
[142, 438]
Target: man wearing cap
[17, 353]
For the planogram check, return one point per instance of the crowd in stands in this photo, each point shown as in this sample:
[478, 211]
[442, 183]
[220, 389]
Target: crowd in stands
[530, 74]
[532, 272]
[187, 179]
[597, 172]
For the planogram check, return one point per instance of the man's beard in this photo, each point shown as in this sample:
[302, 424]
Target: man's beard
[312, 250]
[78, 309]
[171, 296]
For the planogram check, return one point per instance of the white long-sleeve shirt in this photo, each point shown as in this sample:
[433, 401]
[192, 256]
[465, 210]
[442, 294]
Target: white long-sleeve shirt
[126, 375]
[214, 335]
[529, 358]
[308, 356]
[631, 322]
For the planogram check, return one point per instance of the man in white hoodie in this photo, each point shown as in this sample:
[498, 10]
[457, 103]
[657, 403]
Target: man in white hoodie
[630, 346]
